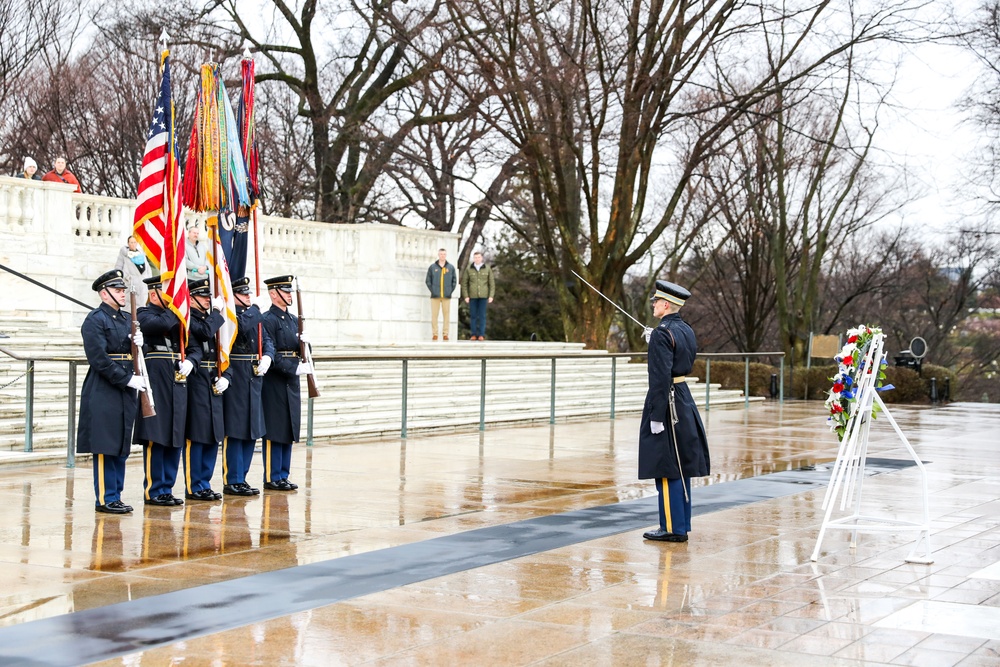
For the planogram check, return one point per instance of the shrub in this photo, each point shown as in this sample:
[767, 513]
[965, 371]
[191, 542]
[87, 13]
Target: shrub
[732, 375]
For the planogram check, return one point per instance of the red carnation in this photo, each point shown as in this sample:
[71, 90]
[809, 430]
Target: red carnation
[836, 408]
[852, 339]
[848, 360]
[838, 387]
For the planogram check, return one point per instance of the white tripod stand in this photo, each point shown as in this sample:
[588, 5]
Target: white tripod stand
[847, 476]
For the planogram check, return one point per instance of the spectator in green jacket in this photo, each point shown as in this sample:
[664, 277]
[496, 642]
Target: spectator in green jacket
[478, 288]
[441, 281]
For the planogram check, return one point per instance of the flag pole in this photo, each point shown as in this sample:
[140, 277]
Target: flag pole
[216, 292]
[256, 245]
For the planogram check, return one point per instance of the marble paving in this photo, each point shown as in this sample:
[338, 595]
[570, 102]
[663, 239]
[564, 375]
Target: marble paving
[742, 590]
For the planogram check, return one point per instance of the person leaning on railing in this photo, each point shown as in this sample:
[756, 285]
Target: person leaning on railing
[60, 174]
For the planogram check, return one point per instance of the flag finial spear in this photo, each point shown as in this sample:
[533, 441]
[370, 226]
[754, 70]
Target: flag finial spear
[246, 50]
[164, 38]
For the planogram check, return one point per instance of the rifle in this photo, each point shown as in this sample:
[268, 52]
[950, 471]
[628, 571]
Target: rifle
[139, 366]
[304, 352]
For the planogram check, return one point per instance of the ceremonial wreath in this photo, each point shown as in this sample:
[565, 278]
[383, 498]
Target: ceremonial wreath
[843, 393]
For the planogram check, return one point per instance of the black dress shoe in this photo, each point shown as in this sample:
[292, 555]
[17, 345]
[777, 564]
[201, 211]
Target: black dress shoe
[164, 500]
[280, 485]
[177, 501]
[112, 508]
[118, 503]
[290, 485]
[251, 489]
[236, 490]
[204, 494]
[661, 535]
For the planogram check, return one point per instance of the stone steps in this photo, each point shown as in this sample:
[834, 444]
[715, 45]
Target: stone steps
[363, 397]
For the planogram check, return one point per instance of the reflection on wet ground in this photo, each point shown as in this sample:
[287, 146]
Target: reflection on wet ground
[742, 589]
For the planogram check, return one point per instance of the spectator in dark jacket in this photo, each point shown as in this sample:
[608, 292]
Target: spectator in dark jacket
[30, 170]
[441, 281]
[478, 288]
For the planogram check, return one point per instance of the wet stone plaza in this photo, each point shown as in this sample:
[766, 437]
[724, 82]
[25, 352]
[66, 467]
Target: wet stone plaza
[522, 546]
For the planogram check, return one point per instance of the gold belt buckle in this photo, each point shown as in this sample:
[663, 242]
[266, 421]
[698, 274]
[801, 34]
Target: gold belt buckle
[179, 377]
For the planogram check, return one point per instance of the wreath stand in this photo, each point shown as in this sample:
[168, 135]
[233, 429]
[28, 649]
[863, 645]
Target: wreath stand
[847, 476]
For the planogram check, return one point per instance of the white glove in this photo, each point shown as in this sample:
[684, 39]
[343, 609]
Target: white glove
[218, 303]
[221, 385]
[186, 367]
[263, 302]
[137, 382]
[656, 427]
[137, 337]
[304, 337]
[263, 365]
[305, 368]
[647, 332]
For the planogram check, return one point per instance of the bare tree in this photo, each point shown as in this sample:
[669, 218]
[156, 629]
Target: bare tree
[982, 38]
[35, 39]
[592, 92]
[349, 88]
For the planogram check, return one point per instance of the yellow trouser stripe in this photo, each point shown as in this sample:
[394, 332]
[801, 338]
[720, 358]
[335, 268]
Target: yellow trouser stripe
[225, 460]
[100, 478]
[187, 466]
[267, 460]
[149, 469]
[666, 506]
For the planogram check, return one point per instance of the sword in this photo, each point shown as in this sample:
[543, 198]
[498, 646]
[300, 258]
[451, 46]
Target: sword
[620, 309]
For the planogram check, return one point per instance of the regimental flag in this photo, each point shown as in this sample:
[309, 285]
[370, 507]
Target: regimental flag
[216, 258]
[159, 222]
[235, 239]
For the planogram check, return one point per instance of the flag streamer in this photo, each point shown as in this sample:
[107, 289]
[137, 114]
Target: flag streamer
[215, 177]
[215, 180]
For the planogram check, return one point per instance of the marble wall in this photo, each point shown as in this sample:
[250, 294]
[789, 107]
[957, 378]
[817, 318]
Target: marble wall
[360, 282]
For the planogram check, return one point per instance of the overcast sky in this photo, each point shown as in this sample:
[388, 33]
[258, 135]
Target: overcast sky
[929, 134]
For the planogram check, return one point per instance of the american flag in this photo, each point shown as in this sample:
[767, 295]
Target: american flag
[159, 220]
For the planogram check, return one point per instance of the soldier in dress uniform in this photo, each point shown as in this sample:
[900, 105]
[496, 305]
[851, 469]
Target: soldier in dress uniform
[162, 436]
[672, 443]
[244, 412]
[281, 392]
[205, 425]
[109, 402]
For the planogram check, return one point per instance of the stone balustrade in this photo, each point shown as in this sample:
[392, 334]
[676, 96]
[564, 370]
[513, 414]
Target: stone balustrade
[360, 282]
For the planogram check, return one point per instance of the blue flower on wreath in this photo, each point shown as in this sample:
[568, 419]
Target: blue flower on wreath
[848, 381]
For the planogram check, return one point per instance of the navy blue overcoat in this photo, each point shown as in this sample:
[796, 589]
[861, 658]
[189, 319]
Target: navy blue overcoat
[161, 333]
[108, 407]
[672, 349]
[281, 392]
[244, 412]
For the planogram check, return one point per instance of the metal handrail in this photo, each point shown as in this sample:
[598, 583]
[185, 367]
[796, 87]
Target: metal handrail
[29, 401]
[75, 361]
